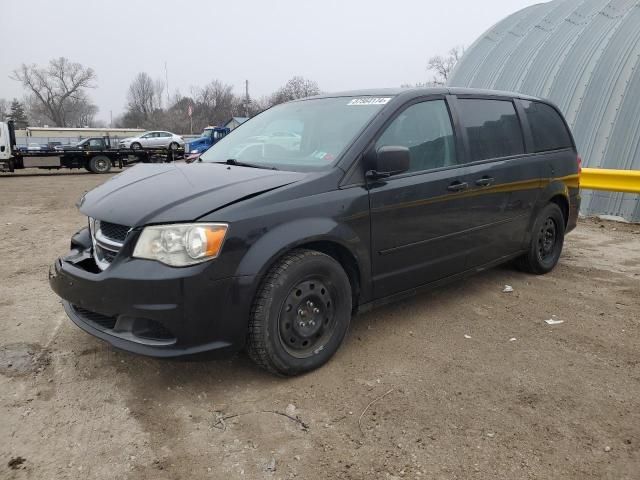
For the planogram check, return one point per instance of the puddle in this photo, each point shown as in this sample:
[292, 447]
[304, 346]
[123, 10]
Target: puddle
[17, 359]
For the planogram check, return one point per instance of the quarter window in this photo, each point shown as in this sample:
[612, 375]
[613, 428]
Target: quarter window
[548, 130]
[425, 129]
[492, 127]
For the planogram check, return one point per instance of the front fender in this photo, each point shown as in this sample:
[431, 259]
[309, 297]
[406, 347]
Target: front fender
[287, 236]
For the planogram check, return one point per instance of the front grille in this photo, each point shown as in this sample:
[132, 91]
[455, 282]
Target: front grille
[106, 255]
[108, 239]
[114, 231]
[101, 321]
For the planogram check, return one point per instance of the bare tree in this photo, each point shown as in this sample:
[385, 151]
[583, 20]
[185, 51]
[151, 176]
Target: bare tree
[443, 65]
[56, 87]
[145, 95]
[214, 104]
[296, 87]
[82, 113]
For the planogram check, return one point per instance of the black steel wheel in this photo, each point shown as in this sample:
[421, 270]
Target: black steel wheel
[307, 320]
[547, 239]
[100, 164]
[301, 313]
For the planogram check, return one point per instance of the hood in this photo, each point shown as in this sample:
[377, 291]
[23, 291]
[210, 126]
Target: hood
[198, 142]
[157, 193]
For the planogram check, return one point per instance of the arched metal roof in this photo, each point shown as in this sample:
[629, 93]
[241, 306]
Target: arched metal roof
[584, 55]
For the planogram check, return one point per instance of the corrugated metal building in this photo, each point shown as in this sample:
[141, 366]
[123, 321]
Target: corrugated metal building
[584, 55]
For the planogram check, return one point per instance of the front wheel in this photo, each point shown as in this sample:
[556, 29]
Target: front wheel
[173, 146]
[136, 146]
[300, 314]
[547, 239]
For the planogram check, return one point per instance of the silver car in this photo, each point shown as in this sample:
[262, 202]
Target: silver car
[153, 140]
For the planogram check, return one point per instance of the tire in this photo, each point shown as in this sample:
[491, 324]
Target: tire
[173, 146]
[136, 146]
[547, 239]
[300, 314]
[100, 164]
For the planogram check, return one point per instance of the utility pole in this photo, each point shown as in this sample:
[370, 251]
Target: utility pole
[166, 80]
[246, 98]
[110, 118]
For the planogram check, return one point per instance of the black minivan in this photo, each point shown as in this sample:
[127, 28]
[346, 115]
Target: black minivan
[314, 210]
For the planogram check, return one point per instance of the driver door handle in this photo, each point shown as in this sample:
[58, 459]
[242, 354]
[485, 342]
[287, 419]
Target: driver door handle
[458, 186]
[485, 181]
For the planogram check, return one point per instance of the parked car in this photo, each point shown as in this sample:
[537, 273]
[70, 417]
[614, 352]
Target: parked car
[153, 140]
[270, 249]
[34, 147]
[288, 140]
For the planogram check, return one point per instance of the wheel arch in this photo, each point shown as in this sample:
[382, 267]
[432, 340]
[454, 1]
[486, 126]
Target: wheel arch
[563, 203]
[555, 192]
[345, 258]
[324, 235]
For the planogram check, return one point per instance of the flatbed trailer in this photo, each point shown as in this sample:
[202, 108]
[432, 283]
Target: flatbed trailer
[95, 156]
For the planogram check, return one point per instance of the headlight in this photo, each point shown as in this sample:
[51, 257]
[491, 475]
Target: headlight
[181, 244]
[194, 151]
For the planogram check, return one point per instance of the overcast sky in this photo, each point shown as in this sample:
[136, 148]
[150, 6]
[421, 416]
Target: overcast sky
[341, 44]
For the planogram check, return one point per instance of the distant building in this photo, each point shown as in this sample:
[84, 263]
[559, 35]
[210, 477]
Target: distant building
[43, 135]
[235, 122]
[584, 55]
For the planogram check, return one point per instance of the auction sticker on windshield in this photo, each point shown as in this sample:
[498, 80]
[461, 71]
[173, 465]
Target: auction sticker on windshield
[369, 101]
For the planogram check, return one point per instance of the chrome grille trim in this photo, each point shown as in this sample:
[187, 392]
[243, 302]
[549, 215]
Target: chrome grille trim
[104, 248]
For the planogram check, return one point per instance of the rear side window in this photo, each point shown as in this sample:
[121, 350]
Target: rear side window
[425, 129]
[547, 127]
[492, 127]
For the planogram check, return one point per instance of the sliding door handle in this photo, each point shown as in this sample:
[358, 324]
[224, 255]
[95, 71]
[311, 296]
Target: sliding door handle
[458, 186]
[485, 181]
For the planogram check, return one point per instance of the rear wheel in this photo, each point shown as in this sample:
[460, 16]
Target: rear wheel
[300, 314]
[100, 164]
[547, 239]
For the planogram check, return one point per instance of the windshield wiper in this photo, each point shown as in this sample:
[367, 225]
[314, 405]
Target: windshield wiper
[237, 163]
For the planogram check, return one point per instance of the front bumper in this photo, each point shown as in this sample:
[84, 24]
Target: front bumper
[148, 308]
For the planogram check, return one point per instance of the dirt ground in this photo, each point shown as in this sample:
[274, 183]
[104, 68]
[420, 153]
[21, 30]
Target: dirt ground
[466, 381]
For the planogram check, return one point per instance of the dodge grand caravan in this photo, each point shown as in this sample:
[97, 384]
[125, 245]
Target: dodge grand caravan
[271, 247]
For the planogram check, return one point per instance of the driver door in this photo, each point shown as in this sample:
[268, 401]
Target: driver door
[147, 140]
[418, 217]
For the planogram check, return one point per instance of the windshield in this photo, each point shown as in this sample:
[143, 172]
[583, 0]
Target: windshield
[206, 133]
[301, 136]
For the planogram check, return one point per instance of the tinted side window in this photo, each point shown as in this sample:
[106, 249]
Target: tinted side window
[547, 128]
[425, 129]
[492, 127]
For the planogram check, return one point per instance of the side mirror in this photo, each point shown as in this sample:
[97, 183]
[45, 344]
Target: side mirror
[387, 161]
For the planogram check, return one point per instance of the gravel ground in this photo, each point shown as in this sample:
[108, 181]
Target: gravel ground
[463, 382]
